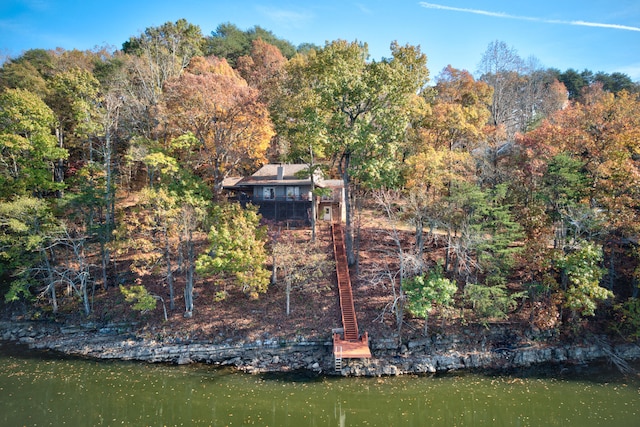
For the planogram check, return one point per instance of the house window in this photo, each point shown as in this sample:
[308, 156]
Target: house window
[327, 197]
[269, 193]
[293, 193]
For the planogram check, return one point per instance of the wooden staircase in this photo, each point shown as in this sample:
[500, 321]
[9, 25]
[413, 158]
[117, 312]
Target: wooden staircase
[349, 321]
[350, 345]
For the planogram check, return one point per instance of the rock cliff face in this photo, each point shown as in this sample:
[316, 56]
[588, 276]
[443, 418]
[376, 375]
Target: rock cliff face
[495, 349]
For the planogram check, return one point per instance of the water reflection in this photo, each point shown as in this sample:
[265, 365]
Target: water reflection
[45, 390]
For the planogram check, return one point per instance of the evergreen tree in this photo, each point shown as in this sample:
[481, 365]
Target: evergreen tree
[237, 248]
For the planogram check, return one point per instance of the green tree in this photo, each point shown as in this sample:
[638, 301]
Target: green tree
[28, 229]
[139, 297]
[28, 149]
[574, 82]
[74, 98]
[358, 111]
[163, 227]
[230, 42]
[581, 276]
[497, 234]
[426, 291]
[237, 248]
[628, 319]
[565, 187]
[491, 302]
[150, 230]
[29, 71]
[616, 82]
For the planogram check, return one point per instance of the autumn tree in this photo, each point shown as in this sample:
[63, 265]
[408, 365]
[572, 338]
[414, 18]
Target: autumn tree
[169, 217]
[262, 68]
[459, 111]
[214, 104]
[500, 67]
[596, 139]
[428, 182]
[166, 50]
[522, 91]
[600, 138]
[155, 56]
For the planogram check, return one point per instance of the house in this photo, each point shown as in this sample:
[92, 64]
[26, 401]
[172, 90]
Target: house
[283, 193]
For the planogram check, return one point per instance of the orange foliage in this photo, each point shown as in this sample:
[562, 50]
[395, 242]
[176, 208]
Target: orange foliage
[217, 106]
[603, 132]
[460, 110]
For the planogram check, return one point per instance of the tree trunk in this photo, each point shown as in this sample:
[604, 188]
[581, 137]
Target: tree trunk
[52, 285]
[167, 255]
[85, 296]
[425, 331]
[313, 211]
[612, 267]
[188, 289]
[104, 250]
[399, 313]
[288, 292]
[357, 240]
[447, 260]
[419, 238]
[313, 196]
[58, 170]
[274, 269]
[348, 234]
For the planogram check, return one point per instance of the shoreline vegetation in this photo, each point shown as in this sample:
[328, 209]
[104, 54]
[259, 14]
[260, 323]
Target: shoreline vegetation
[490, 220]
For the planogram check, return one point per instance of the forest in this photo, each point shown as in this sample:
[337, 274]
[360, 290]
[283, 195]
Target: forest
[510, 195]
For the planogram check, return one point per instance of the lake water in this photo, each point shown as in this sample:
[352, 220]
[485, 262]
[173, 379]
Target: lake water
[39, 389]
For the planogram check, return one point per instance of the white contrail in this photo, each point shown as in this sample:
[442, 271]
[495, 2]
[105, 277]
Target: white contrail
[528, 18]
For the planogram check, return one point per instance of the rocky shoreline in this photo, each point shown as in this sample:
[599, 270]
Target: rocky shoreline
[497, 348]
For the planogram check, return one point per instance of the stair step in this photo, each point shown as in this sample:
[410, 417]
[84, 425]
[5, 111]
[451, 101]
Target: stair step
[349, 320]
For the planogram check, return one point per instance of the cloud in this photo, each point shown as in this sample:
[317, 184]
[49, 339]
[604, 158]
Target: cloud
[286, 18]
[364, 9]
[37, 5]
[527, 18]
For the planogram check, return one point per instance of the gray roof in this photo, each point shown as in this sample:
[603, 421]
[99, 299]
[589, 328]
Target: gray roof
[268, 175]
[333, 183]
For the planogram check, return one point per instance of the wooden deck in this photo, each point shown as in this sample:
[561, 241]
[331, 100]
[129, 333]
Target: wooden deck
[351, 349]
[348, 344]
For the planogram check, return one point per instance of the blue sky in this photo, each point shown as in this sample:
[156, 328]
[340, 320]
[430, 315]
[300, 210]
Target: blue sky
[599, 35]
